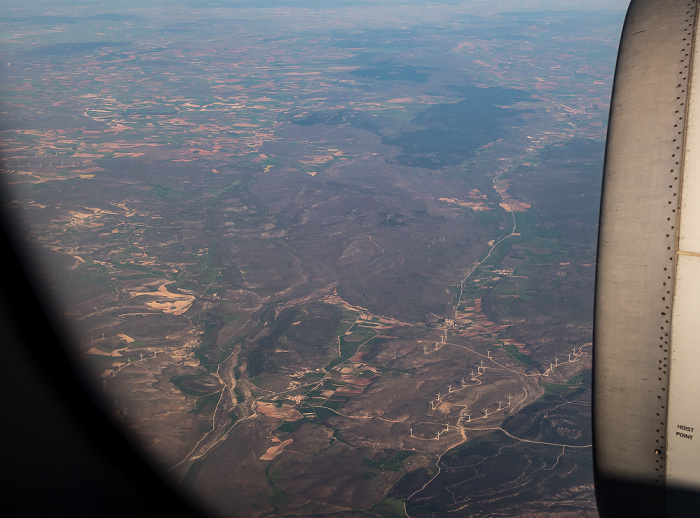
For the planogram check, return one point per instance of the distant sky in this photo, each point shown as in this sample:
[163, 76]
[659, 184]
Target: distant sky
[485, 6]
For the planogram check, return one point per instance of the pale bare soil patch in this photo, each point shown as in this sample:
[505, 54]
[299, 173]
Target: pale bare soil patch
[286, 412]
[515, 206]
[175, 303]
[273, 451]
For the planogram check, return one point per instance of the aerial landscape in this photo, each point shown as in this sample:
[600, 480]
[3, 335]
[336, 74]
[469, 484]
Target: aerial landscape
[325, 258]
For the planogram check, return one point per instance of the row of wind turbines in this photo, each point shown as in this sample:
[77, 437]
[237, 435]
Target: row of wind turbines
[465, 417]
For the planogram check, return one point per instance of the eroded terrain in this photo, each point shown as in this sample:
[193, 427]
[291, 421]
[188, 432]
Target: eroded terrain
[326, 263]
